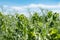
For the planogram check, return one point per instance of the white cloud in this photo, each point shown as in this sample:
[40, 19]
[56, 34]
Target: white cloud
[55, 8]
[33, 7]
[36, 6]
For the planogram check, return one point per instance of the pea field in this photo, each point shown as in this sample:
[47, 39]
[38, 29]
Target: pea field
[34, 27]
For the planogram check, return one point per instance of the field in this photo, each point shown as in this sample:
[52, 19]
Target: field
[34, 27]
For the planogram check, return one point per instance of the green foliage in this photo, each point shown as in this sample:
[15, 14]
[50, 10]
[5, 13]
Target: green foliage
[49, 14]
[36, 27]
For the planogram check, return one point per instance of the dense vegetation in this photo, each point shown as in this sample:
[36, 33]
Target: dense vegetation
[35, 27]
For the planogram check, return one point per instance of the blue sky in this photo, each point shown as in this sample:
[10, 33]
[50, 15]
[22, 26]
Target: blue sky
[22, 5]
[27, 2]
